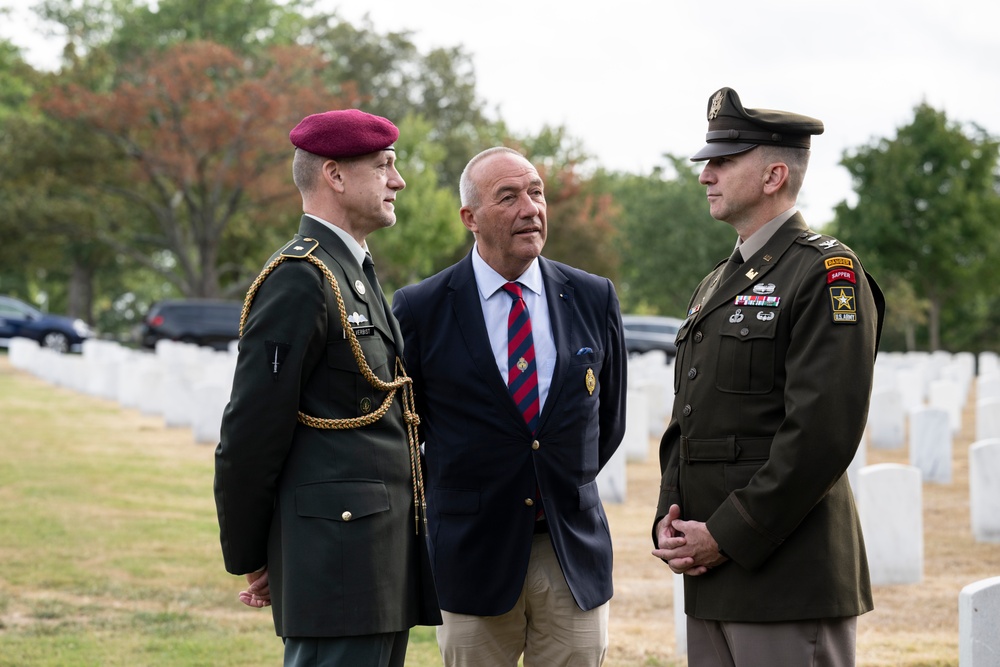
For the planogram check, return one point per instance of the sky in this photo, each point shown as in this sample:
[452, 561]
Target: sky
[631, 79]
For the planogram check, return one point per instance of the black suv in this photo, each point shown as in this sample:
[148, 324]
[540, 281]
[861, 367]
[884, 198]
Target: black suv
[209, 322]
[644, 333]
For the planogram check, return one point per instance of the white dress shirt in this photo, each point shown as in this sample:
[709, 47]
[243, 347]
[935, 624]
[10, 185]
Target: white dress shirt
[495, 302]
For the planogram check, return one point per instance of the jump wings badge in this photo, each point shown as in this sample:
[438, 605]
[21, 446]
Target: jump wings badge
[590, 381]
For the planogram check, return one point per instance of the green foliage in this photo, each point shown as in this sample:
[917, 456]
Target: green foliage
[428, 233]
[926, 217]
[667, 240]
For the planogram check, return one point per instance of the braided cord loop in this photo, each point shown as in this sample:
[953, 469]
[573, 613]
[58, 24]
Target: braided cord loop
[401, 381]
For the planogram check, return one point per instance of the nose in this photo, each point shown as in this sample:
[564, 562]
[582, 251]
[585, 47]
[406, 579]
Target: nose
[706, 176]
[530, 208]
[396, 181]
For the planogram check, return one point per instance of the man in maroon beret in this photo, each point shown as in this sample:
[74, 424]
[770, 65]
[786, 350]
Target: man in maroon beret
[773, 371]
[317, 493]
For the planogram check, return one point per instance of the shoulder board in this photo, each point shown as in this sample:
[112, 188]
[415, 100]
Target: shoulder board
[299, 248]
[823, 243]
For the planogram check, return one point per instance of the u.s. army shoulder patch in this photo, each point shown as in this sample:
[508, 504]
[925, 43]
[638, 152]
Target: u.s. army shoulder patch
[844, 305]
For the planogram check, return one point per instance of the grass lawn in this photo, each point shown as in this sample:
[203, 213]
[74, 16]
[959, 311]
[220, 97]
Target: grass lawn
[110, 553]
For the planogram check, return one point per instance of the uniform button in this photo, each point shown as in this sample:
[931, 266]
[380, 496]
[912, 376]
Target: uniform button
[698, 336]
[687, 410]
[346, 516]
[744, 331]
[535, 445]
[692, 373]
[530, 502]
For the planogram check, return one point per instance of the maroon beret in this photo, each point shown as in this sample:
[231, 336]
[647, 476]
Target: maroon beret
[343, 133]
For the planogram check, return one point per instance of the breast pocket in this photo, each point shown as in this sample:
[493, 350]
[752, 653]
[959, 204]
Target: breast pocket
[347, 383]
[747, 351]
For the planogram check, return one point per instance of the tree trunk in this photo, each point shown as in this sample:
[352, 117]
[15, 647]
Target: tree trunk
[80, 296]
[934, 324]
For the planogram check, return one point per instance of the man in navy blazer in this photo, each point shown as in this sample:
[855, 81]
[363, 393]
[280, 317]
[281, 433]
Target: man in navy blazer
[520, 545]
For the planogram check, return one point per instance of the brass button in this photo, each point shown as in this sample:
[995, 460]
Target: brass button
[687, 410]
[366, 405]
[346, 516]
[529, 502]
[535, 445]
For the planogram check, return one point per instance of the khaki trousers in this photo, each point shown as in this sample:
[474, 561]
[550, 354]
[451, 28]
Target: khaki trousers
[825, 642]
[546, 625]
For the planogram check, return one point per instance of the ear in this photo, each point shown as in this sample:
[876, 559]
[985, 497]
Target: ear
[469, 219]
[775, 176]
[333, 175]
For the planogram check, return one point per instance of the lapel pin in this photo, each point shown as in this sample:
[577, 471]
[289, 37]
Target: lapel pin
[360, 287]
[590, 381]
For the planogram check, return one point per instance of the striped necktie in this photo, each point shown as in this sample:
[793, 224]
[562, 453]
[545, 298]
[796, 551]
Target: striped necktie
[522, 377]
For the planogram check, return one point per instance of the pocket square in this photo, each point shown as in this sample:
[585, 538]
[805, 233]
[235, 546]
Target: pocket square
[584, 350]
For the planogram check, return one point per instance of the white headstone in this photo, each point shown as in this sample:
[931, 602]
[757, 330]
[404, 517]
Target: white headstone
[947, 395]
[611, 479]
[931, 444]
[984, 489]
[911, 383]
[979, 624]
[988, 387]
[989, 364]
[988, 419]
[680, 618]
[859, 461]
[891, 508]
[635, 442]
[886, 420]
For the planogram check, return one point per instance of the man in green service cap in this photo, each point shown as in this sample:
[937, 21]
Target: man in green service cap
[772, 377]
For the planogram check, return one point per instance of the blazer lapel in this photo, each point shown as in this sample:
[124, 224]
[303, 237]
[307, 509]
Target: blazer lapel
[464, 296]
[560, 297]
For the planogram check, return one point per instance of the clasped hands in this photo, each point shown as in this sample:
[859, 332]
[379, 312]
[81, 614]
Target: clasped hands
[686, 546]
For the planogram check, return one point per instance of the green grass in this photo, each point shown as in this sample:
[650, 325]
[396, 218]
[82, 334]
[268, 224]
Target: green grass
[110, 545]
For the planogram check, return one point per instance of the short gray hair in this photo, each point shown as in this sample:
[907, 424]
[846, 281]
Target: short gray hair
[797, 160]
[468, 190]
[305, 169]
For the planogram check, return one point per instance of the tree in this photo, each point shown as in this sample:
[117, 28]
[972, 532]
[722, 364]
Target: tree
[666, 238]
[205, 133]
[926, 217]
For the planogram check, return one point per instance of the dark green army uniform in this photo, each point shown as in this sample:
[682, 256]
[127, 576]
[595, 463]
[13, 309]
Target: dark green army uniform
[773, 375]
[329, 511]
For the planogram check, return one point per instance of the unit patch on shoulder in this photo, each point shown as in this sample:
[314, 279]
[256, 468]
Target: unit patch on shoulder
[843, 305]
[838, 262]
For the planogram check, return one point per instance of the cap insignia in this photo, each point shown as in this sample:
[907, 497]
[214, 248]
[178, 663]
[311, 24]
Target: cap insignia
[716, 105]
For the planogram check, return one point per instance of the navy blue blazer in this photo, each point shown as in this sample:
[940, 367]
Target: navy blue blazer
[482, 462]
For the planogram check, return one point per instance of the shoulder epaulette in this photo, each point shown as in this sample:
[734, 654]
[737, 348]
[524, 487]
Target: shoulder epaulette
[821, 242]
[299, 248]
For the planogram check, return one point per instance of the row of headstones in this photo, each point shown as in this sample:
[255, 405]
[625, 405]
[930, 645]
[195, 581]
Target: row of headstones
[892, 493]
[186, 385]
[905, 383]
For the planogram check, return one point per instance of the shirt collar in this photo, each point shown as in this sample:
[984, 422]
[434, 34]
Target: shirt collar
[489, 281]
[357, 250]
[763, 235]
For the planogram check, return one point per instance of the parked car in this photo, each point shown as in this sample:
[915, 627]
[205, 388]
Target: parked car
[644, 333]
[209, 322]
[56, 332]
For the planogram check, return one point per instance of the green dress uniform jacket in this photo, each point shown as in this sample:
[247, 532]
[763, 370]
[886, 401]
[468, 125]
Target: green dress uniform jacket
[773, 377]
[330, 512]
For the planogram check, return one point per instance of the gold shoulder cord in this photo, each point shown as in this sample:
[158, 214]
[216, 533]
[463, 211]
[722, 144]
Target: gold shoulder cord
[401, 381]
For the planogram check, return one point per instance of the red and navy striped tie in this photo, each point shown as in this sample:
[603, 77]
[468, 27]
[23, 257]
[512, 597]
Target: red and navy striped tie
[522, 377]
